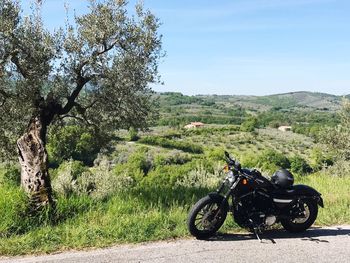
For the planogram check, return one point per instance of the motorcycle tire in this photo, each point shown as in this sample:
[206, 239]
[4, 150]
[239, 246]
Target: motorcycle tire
[207, 216]
[301, 224]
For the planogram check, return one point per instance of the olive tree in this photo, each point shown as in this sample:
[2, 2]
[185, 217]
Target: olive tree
[96, 69]
[337, 139]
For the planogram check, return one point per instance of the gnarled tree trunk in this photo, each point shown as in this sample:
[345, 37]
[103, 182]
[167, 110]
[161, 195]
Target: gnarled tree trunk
[33, 158]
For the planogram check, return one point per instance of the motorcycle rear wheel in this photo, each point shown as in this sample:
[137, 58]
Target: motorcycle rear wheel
[207, 216]
[302, 223]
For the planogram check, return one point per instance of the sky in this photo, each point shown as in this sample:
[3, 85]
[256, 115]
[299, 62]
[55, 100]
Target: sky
[245, 47]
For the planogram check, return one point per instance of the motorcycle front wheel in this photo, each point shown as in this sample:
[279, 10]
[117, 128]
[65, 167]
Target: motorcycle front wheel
[207, 216]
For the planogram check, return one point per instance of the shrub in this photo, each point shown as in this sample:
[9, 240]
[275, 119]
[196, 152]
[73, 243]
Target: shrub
[172, 144]
[101, 183]
[141, 160]
[340, 168]
[172, 157]
[200, 177]
[75, 179]
[66, 177]
[271, 160]
[249, 125]
[74, 142]
[133, 135]
[216, 154]
[320, 159]
[299, 165]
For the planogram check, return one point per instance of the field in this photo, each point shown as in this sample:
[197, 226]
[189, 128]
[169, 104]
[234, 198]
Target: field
[142, 191]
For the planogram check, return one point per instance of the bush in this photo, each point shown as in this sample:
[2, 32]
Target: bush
[133, 135]
[216, 154]
[172, 144]
[74, 142]
[173, 157]
[299, 165]
[12, 175]
[201, 177]
[141, 160]
[166, 176]
[271, 160]
[64, 183]
[101, 183]
[75, 179]
[249, 125]
[341, 168]
[319, 159]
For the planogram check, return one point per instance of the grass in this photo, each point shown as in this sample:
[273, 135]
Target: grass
[146, 214]
[141, 215]
[336, 195]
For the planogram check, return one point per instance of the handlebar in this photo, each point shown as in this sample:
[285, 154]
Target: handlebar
[231, 162]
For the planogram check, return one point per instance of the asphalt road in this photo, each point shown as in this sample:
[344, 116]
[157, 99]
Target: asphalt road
[315, 245]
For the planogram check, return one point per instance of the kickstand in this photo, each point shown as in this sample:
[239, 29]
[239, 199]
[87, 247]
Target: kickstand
[256, 232]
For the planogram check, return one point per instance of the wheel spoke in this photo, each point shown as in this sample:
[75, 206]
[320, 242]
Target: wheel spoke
[198, 218]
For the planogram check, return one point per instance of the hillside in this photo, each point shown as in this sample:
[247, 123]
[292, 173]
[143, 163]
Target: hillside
[301, 99]
[288, 108]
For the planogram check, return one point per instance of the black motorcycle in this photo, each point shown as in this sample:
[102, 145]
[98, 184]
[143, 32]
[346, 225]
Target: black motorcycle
[255, 202]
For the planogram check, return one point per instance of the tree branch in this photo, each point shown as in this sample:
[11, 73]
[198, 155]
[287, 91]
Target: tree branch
[105, 48]
[81, 81]
[15, 60]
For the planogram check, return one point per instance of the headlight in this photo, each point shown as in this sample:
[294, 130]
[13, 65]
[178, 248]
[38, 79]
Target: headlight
[230, 177]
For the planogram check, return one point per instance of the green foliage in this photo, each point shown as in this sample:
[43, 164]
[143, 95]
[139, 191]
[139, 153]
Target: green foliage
[12, 175]
[12, 205]
[307, 123]
[74, 142]
[299, 165]
[249, 125]
[96, 70]
[133, 134]
[320, 159]
[270, 160]
[140, 160]
[337, 139]
[177, 98]
[172, 157]
[185, 119]
[216, 154]
[151, 211]
[207, 131]
[64, 183]
[172, 144]
[312, 130]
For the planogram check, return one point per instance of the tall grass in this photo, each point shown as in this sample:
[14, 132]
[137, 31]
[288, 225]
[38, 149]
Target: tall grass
[336, 195]
[143, 213]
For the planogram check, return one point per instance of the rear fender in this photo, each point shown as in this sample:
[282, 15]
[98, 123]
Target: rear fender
[305, 191]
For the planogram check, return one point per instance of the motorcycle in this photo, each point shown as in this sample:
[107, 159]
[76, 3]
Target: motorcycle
[255, 202]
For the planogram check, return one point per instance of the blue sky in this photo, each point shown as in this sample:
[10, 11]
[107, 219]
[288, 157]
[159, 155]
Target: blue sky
[246, 46]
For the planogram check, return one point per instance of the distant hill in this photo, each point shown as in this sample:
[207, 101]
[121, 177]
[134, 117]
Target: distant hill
[292, 100]
[302, 108]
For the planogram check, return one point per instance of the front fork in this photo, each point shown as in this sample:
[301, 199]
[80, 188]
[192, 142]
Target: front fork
[230, 191]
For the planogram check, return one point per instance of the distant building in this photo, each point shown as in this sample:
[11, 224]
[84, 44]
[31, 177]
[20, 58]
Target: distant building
[285, 128]
[194, 125]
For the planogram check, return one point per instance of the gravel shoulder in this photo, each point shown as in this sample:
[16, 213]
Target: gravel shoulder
[326, 244]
